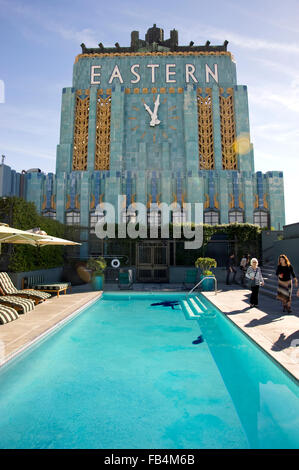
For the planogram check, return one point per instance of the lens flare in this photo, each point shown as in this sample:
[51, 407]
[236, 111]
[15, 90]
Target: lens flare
[242, 144]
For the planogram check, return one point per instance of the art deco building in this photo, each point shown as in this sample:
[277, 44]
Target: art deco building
[157, 122]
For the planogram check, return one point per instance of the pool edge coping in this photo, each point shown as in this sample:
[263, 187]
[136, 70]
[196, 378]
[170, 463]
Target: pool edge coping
[15, 355]
[22, 349]
[254, 340]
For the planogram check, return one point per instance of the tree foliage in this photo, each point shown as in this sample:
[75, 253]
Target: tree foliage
[23, 215]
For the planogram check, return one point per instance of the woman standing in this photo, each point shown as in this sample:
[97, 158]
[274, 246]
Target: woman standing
[255, 275]
[284, 272]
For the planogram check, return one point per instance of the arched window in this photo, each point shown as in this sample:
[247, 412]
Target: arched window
[50, 214]
[261, 218]
[154, 217]
[179, 216]
[95, 217]
[236, 216]
[211, 217]
[72, 218]
[128, 216]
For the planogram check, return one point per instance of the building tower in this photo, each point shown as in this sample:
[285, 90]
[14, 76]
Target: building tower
[157, 122]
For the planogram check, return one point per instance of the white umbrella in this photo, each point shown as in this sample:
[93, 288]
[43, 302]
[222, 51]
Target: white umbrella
[44, 239]
[34, 237]
[14, 235]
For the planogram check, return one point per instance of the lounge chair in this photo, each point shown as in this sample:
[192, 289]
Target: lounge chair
[7, 314]
[56, 287]
[7, 288]
[125, 279]
[190, 277]
[18, 303]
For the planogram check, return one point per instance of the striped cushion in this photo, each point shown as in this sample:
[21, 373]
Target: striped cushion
[25, 304]
[6, 283]
[7, 314]
[33, 293]
[56, 286]
[9, 288]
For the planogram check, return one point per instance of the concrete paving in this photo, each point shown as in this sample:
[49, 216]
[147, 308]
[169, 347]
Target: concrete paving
[276, 332]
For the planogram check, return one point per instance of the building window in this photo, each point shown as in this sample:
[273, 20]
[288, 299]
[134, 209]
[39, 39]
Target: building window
[211, 217]
[72, 218]
[228, 130]
[102, 153]
[128, 216]
[205, 129]
[154, 218]
[179, 217]
[94, 218]
[50, 214]
[261, 218]
[81, 130]
[236, 217]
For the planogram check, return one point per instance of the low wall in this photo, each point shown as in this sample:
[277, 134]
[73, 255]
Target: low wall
[289, 247]
[49, 275]
[269, 239]
[177, 273]
[291, 231]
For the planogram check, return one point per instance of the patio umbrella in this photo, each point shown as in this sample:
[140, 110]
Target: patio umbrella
[14, 235]
[32, 237]
[43, 239]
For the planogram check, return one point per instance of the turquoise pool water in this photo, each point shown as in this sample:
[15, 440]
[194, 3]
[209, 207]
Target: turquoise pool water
[125, 374]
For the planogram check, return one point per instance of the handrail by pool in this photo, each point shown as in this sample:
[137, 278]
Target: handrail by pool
[196, 285]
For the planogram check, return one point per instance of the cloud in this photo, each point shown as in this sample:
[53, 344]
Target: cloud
[33, 121]
[33, 15]
[27, 151]
[87, 35]
[283, 97]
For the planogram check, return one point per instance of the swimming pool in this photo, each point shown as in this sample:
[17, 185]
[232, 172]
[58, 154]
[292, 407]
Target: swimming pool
[126, 374]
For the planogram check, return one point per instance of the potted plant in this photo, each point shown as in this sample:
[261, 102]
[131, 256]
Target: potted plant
[205, 265]
[97, 267]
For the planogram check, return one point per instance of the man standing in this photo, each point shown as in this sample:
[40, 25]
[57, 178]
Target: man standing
[243, 266]
[231, 268]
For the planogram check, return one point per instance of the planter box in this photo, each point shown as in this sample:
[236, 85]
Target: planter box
[48, 276]
[207, 284]
[98, 283]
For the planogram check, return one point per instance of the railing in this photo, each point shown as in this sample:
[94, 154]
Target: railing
[205, 277]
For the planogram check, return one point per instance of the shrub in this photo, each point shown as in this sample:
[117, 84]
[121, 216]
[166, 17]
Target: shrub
[205, 264]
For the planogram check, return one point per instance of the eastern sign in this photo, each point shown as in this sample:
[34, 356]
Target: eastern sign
[191, 75]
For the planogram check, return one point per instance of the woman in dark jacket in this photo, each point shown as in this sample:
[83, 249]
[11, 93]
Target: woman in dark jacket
[285, 272]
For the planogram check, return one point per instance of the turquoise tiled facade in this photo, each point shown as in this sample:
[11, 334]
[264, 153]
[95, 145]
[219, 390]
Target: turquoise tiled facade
[160, 163]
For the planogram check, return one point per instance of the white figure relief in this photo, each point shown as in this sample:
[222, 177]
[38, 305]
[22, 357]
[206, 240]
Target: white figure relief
[154, 114]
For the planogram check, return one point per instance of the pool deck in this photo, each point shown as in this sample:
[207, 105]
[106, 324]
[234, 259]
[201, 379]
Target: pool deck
[275, 332]
[30, 327]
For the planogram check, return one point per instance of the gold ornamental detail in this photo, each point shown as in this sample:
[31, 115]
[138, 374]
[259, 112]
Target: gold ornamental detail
[228, 131]
[205, 130]
[81, 130]
[143, 54]
[102, 153]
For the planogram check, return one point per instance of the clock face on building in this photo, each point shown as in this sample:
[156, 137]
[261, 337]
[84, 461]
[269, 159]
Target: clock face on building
[154, 117]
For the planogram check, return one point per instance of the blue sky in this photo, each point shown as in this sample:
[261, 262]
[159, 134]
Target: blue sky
[40, 39]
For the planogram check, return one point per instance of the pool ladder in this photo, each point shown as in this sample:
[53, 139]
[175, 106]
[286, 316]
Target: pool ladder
[196, 285]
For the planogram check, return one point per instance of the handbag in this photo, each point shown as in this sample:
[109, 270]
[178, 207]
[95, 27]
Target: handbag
[251, 282]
